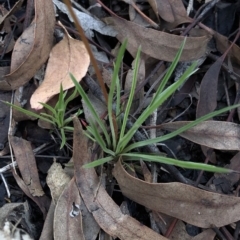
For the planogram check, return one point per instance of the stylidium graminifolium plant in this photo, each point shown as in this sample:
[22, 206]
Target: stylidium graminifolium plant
[118, 142]
[57, 116]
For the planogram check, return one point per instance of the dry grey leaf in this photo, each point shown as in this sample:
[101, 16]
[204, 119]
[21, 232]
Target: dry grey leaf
[33, 46]
[213, 134]
[68, 56]
[157, 44]
[57, 180]
[67, 226]
[192, 205]
[27, 165]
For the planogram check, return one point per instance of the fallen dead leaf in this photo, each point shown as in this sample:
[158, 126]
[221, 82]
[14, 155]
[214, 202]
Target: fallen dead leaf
[27, 165]
[172, 11]
[106, 213]
[47, 232]
[179, 12]
[223, 44]
[33, 46]
[68, 216]
[160, 45]
[208, 92]
[57, 180]
[68, 56]
[192, 205]
[213, 134]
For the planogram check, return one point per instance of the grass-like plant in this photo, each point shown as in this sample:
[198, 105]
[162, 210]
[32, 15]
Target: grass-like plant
[118, 142]
[57, 117]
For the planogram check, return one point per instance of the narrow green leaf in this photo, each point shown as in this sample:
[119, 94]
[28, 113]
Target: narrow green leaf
[99, 139]
[48, 116]
[63, 138]
[70, 129]
[88, 132]
[169, 71]
[29, 113]
[91, 108]
[158, 102]
[180, 130]
[51, 109]
[130, 100]
[112, 90]
[98, 162]
[171, 161]
[71, 97]
[118, 102]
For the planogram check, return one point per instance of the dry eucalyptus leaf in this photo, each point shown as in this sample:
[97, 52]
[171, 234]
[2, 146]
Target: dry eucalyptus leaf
[105, 211]
[68, 216]
[208, 92]
[47, 231]
[213, 134]
[178, 11]
[68, 56]
[57, 180]
[192, 205]
[160, 45]
[33, 46]
[223, 44]
[27, 165]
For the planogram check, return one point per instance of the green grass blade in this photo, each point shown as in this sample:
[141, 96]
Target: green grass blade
[70, 129]
[130, 99]
[180, 130]
[99, 139]
[170, 70]
[159, 100]
[118, 102]
[60, 98]
[70, 98]
[51, 109]
[112, 90]
[60, 107]
[29, 113]
[178, 163]
[48, 116]
[98, 162]
[91, 108]
[63, 138]
[89, 133]
[162, 97]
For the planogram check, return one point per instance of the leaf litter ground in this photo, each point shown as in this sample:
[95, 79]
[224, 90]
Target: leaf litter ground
[49, 195]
